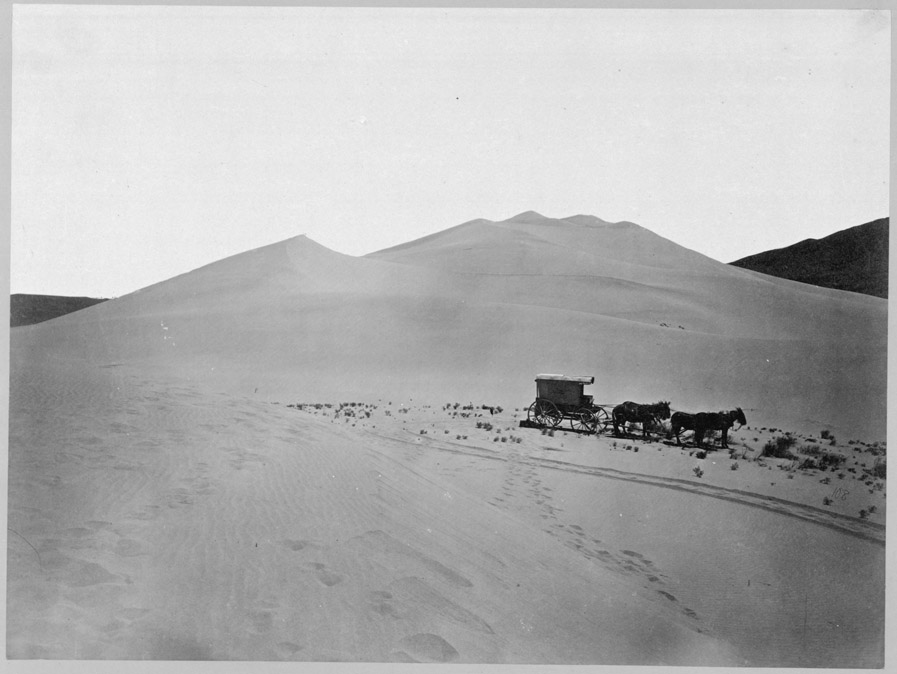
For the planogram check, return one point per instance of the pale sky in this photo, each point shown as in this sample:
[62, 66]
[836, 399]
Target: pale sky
[149, 141]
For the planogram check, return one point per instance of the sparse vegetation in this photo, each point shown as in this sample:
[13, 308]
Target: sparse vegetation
[780, 447]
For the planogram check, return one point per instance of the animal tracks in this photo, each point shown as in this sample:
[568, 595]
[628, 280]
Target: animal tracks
[324, 575]
[381, 603]
[865, 529]
[425, 647]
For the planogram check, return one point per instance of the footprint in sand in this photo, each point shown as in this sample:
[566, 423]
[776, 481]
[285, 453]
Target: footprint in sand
[325, 576]
[382, 604]
[426, 647]
[127, 547]
[294, 545]
[630, 553]
[667, 595]
[262, 621]
[288, 648]
[78, 573]
[149, 513]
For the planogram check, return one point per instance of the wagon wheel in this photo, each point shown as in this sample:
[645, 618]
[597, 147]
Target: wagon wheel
[583, 420]
[603, 421]
[544, 413]
[551, 414]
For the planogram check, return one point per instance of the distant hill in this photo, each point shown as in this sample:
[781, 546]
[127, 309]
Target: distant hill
[854, 259]
[29, 309]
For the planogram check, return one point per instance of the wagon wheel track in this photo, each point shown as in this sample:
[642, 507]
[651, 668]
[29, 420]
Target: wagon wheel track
[870, 531]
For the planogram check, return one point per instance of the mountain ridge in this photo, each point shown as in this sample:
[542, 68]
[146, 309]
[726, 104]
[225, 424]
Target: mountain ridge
[853, 260]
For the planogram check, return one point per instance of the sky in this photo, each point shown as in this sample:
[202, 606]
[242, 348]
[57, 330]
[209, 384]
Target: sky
[148, 141]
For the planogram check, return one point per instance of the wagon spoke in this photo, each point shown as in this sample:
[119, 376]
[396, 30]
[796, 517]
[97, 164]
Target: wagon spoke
[583, 420]
[550, 414]
[602, 420]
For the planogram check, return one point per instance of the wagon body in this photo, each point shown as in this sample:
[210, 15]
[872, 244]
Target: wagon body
[561, 390]
[559, 397]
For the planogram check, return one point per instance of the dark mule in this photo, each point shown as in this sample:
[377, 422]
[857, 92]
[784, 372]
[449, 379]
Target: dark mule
[717, 421]
[681, 421]
[630, 412]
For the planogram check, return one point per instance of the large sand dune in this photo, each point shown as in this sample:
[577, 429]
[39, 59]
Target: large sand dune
[164, 502]
[476, 311]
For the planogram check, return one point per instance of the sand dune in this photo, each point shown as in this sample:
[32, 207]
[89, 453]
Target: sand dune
[476, 311]
[165, 503]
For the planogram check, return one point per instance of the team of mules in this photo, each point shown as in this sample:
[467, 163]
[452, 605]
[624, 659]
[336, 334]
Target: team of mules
[701, 423]
[630, 412]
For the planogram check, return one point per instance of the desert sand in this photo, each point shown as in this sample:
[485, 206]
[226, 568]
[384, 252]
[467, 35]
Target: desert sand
[188, 481]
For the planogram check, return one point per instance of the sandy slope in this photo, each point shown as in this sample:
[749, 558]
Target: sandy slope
[154, 519]
[164, 502]
[477, 311]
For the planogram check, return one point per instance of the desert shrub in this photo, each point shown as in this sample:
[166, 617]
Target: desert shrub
[779, 447]
[824, 434]
[828, 460]
[734, 466]
[701, 455]
[863, 514]
[880, 469]
[826, 501]
[810, 450]
[697, 471]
